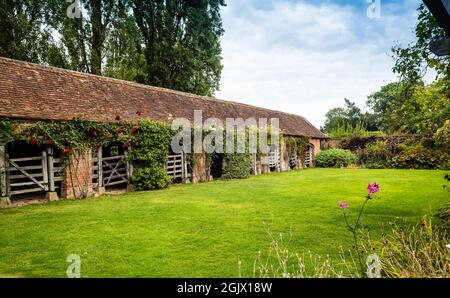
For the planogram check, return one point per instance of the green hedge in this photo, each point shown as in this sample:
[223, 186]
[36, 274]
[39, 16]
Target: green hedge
[335, 158]
[417, 153]
[149, 154]
[237, 166]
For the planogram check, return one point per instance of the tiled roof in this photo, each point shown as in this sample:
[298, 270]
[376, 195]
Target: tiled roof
[34, 92]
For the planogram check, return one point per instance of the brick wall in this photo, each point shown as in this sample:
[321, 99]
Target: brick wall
[77, 182]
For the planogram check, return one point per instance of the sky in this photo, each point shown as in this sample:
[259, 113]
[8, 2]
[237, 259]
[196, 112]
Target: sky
[304, 57]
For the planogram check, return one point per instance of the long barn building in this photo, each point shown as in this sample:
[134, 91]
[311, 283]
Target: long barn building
[34, 93]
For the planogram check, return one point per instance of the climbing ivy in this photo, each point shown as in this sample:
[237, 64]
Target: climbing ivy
[149, 155]
[296, 146]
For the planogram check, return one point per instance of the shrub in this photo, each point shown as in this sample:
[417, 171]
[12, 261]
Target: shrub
[412, 152]
[335, 158]
[237, 166]
[149, 154]
[150, 178]
[417, 156]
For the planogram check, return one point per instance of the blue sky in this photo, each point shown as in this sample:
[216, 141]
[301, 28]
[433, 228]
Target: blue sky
[305, 57]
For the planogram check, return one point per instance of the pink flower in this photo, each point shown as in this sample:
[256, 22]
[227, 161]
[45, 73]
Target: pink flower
[343, 205]
[373, 188]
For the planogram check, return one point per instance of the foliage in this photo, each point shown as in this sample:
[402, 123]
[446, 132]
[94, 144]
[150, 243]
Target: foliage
[425, 110]
[6, 131]
[413, 61]
[383, 102]
[403, 152]
[377, 155]
[346, 130]
[296, 146]
[335, 158]
[351, 118]
[182, 46]
[25, 33]
[149, 155]
[150, 178]
[237, 165]
[444, 215]
[418, 156]
[419, 251]
[76, 135]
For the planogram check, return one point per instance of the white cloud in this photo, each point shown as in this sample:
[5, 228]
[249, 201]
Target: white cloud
[306, 58]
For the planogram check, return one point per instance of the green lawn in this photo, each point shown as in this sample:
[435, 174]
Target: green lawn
[201, 230]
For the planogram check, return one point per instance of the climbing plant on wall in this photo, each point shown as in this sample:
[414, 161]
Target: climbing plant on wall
[149, 155]
[296, 146]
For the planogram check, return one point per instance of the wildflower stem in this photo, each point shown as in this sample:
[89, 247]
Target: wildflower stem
[355, 229]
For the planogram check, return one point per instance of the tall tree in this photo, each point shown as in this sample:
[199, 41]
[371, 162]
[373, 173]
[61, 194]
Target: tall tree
[24, 31]
[182, 46]
[413, 61]
[83, 36]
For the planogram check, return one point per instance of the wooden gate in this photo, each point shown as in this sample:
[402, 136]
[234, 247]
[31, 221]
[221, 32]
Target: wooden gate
[293, 160]
[273, 158]
[176, 166]
[309, 156]
[114, 170]
[32, 174]
[110, 171]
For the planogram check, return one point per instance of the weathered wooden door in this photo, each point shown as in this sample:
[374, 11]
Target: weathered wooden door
[115, 170]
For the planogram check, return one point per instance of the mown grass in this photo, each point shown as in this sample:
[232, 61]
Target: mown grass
[202, 230]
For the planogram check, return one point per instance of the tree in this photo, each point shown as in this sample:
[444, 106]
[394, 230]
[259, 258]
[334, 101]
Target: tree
[82, 38]
[182, 46]
[413, 61]
[382, 103]
[350, 116]
[425, 111]
[334, 118]
[24, 32]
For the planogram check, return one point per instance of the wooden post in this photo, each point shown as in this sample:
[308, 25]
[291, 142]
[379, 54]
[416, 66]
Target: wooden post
[3, 170]
[51, 194]
[185, 170]
[100, 183]
[44, 170]
[5, 188]
[51, 172]
[100, 167]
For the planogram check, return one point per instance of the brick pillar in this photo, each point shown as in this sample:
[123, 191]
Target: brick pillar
[77, 182]
[199, 171]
